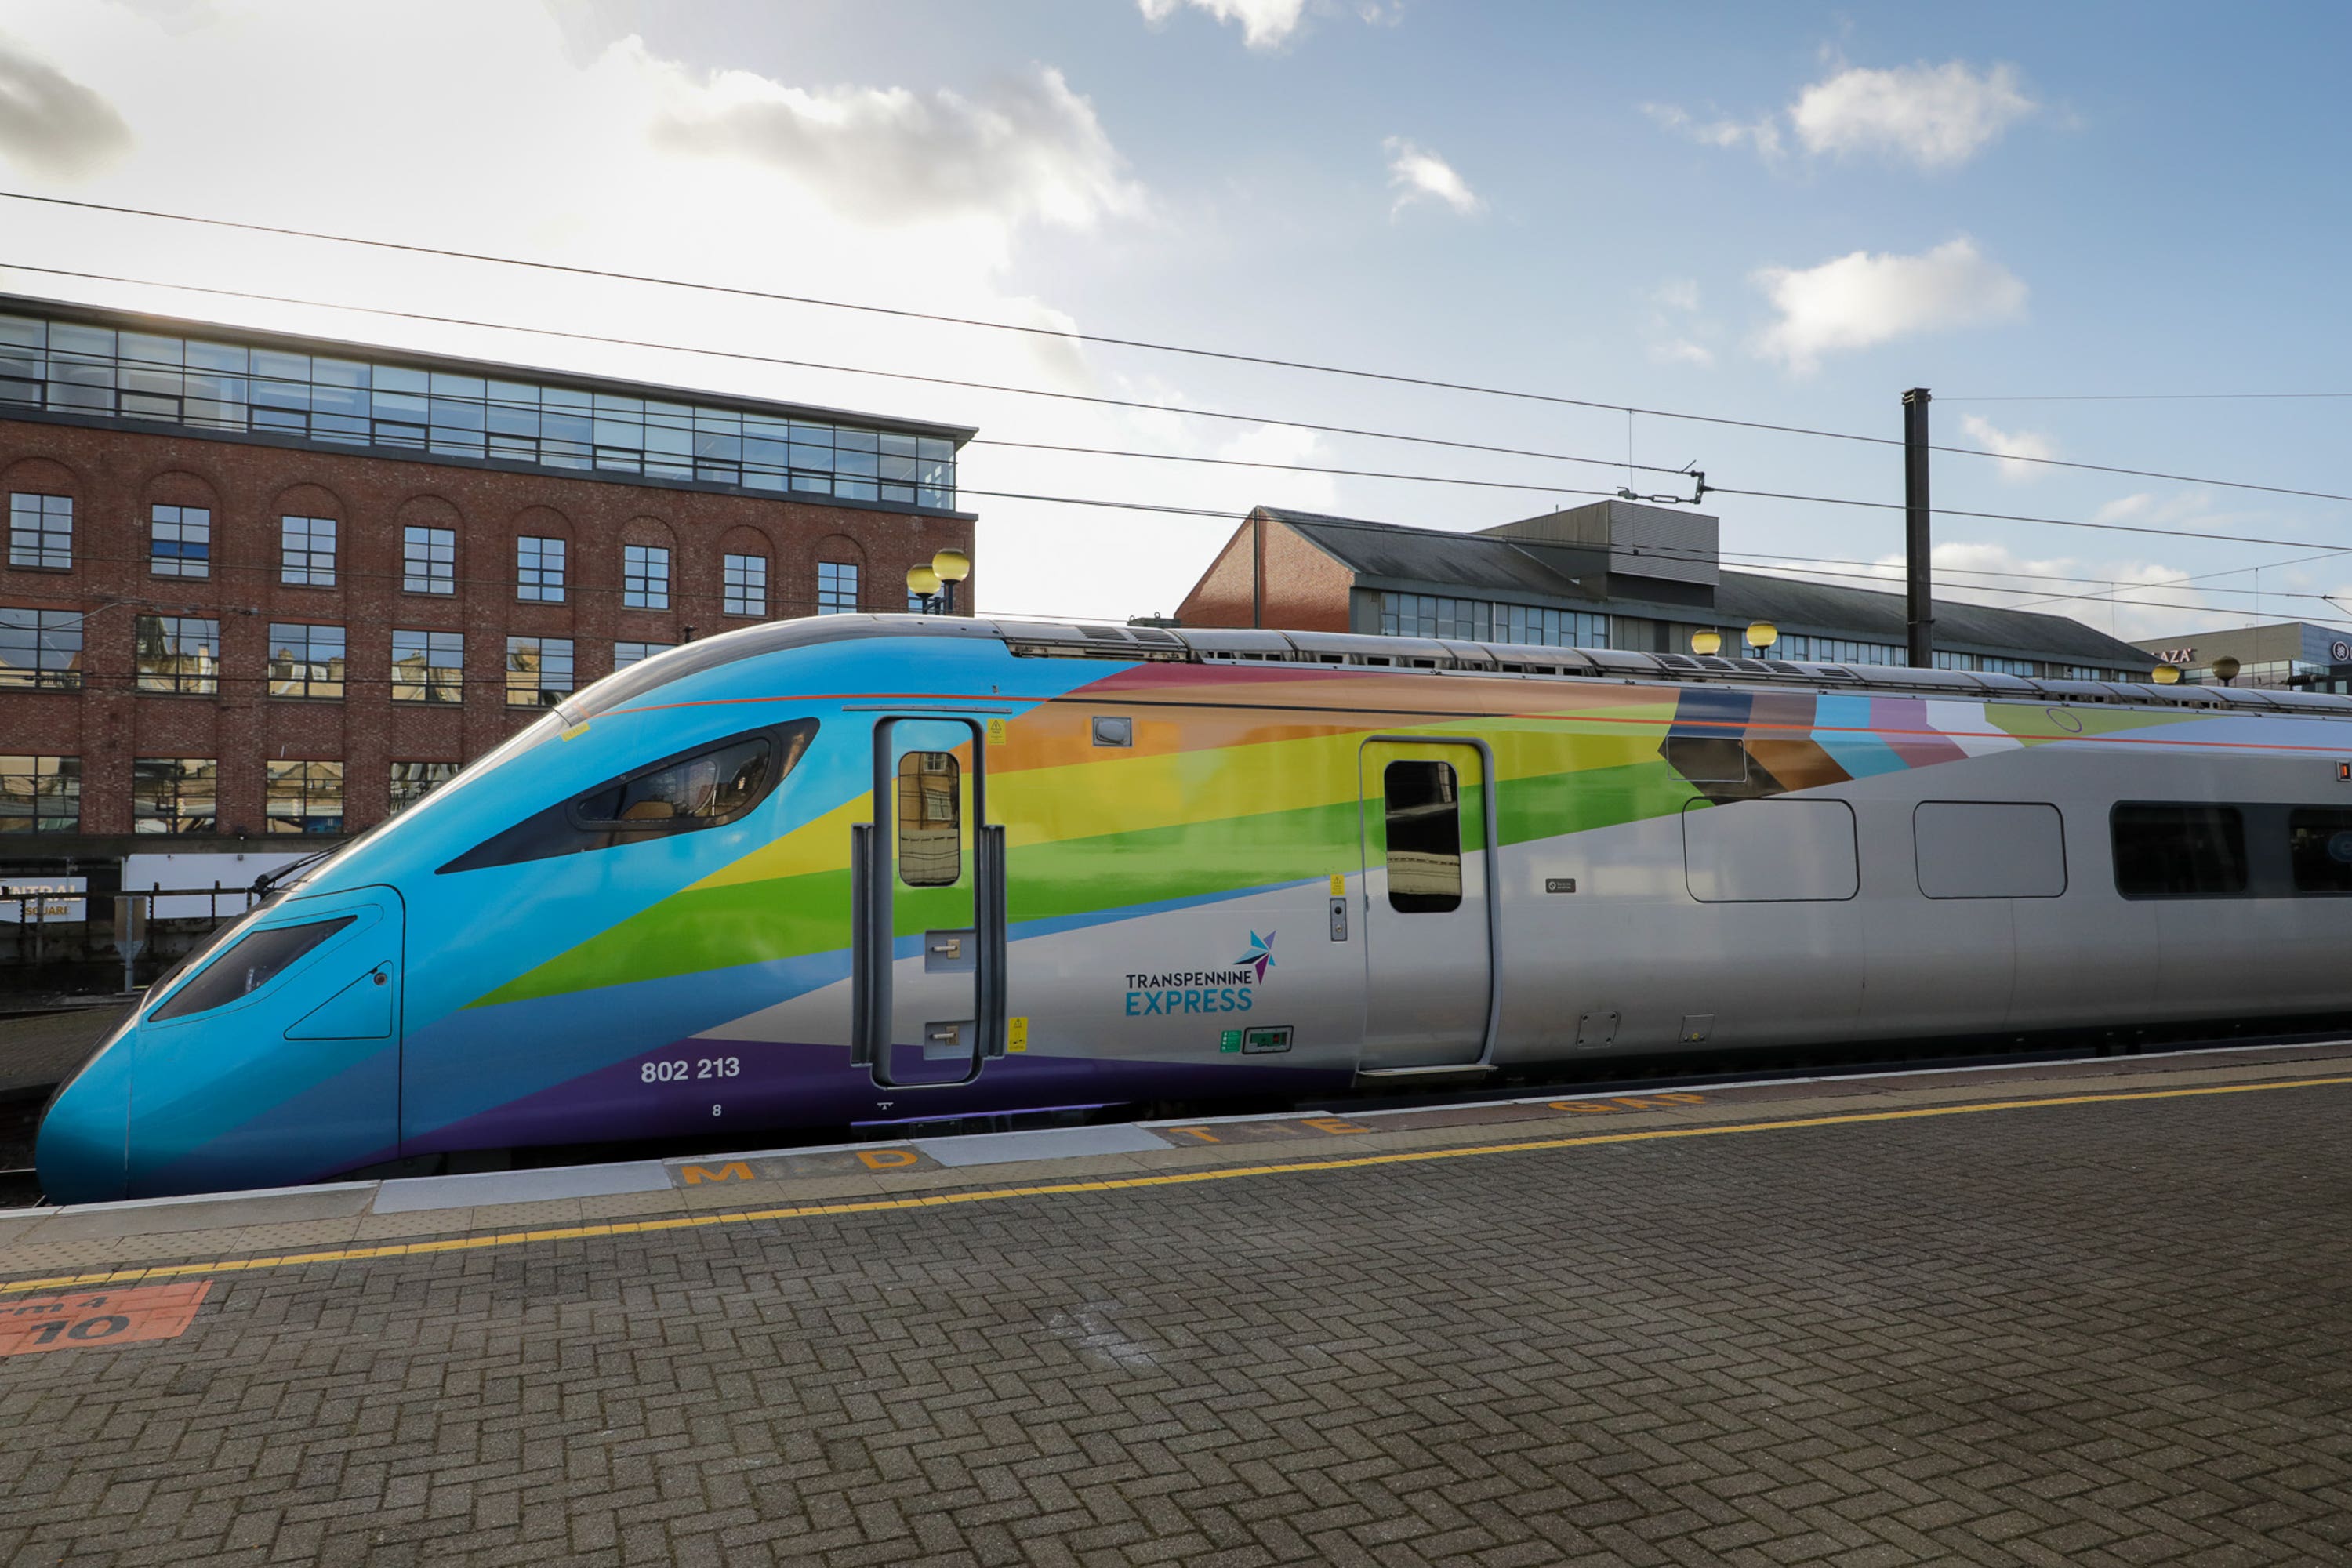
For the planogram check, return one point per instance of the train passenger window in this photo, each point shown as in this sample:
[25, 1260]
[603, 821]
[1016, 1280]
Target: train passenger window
[931, 819]
[1770, 852]
[1988, 849]
[709, 786]
[1425, 838]
[2319, 844]
[257, 959]
[2178, 851]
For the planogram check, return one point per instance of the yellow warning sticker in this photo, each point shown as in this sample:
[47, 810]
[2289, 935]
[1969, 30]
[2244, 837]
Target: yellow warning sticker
[1338, 884]
[996, 732]
[1016, 1034]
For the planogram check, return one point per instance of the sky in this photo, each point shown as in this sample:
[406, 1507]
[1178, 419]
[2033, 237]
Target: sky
[1785, 215]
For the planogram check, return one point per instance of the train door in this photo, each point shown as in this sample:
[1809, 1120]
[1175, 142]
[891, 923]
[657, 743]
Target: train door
[928, 909]
[1428, 924]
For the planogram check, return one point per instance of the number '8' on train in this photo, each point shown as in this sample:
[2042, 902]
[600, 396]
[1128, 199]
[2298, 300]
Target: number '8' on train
[821, 873]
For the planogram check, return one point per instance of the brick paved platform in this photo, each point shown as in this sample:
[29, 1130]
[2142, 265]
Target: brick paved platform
[2089, 1316]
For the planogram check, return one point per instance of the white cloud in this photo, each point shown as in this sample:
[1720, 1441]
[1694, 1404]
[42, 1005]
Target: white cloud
[1419, 175]
[2018, 448]
[1764, 133]
[1674, 326]
[1265, 24]
[1934, 116]
[1027, 148]
[51, 124]
[1857, 301]
[1676, 294]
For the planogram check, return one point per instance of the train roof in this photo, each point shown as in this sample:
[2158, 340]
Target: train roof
[1243, 645]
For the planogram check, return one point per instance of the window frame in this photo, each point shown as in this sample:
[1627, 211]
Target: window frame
[35, 556]
[393, 803]
[831, 599]
[735, 580]
[176, 566]
[176, 1007]
[901, 780]
[427, 686]
[68, 675]
[38, 822]
[645, 576]
[176, 683]
[559, 829]
[2296, 886]
[543, 568]
[539, 646]
[314, 688]
[1451, 796]
[439, 577]
[179, 795]
[303, 828]
[2234, 812]
[300, 551]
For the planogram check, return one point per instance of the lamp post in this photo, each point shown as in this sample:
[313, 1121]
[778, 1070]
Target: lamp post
[1706, 643]
[933, 582]
[2165, 674]
[1761, 636]
[951, 567]
[2225, 670]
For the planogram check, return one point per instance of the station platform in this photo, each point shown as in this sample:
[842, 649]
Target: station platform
[2088, 1313]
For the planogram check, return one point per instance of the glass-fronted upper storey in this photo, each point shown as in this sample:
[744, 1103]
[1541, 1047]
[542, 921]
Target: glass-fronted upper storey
[141, 371]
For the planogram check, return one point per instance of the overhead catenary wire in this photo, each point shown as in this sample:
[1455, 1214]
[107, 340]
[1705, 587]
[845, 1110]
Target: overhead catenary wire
[2141, 530]
[1193, 351]
[743, 355]
[1799, 566]
[2139, 396]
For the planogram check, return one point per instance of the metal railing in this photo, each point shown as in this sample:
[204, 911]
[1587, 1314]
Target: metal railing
[42, 927]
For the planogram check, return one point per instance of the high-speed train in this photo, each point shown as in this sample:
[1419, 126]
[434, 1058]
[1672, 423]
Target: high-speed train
[862, 870]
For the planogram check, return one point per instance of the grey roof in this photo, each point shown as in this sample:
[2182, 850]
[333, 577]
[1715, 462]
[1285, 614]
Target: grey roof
[1884, 618]
[1485, 563]
[1433, 555]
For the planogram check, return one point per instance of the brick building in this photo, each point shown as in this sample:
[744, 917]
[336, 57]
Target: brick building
[259, 586]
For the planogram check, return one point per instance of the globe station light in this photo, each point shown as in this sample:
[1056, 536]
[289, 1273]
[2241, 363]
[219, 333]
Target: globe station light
[2165, 674]
[923, 584]
[950, 567]
[1762, 634]
[1707, 642]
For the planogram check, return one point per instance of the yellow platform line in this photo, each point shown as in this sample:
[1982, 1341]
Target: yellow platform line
[1112, 1185]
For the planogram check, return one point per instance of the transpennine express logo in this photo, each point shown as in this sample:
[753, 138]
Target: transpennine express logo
[1204, 991]
[1260, 955]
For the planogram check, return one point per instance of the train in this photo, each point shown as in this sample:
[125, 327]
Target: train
[837, 872]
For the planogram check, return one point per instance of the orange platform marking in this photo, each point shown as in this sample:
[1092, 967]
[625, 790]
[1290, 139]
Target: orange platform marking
[99, 1317]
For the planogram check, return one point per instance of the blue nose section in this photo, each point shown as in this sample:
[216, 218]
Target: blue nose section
[83, 1152]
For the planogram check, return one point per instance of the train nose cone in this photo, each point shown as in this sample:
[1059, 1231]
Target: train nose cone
[83, 1151]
